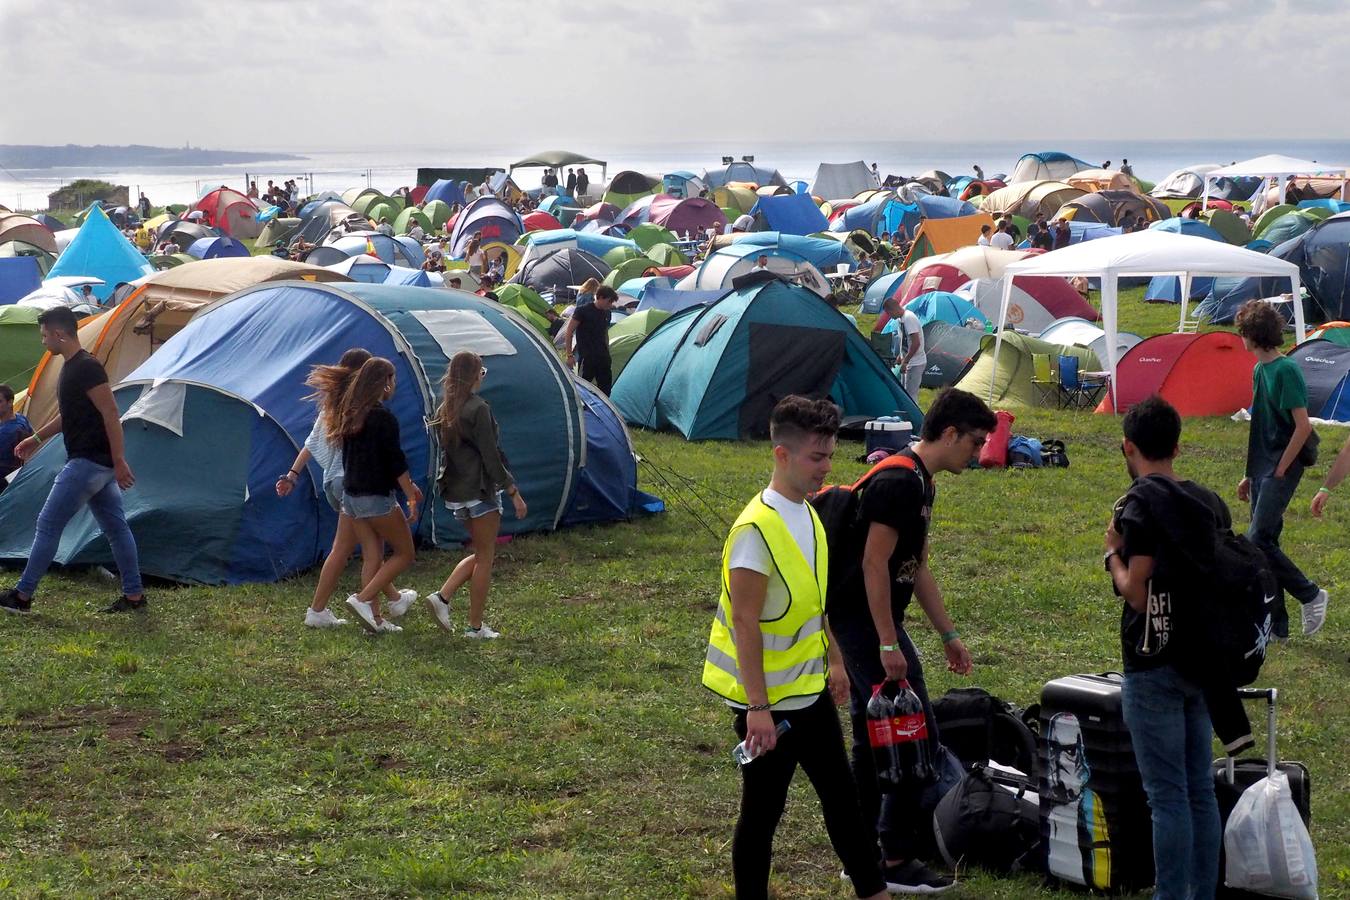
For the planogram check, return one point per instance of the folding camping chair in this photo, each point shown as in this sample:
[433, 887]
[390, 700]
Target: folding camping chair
[1075, 391]
[1043, 380]
[883, 342]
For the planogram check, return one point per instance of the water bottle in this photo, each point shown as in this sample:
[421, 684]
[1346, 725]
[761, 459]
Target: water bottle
[742, 755]
[881, 736]
[911, 736]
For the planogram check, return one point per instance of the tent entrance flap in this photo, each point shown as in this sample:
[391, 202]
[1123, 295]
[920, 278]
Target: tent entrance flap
[787, 359]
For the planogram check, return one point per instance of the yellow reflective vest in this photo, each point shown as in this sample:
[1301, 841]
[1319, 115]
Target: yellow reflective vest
[795, 643]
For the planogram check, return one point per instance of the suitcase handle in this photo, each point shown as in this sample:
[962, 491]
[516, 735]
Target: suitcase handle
[1271, 696]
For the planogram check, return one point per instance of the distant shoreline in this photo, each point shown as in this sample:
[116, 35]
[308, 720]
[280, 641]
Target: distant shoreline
[32, 156]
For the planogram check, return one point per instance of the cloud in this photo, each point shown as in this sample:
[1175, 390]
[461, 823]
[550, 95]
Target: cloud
[349, 73]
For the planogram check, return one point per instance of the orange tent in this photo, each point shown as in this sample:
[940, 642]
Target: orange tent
[944, 235]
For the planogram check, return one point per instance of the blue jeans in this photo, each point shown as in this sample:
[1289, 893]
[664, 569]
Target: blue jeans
[81, 482]
[1169, 727]
[1270, 498]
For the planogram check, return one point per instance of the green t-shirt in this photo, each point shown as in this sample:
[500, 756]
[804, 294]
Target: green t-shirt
[1279, 388]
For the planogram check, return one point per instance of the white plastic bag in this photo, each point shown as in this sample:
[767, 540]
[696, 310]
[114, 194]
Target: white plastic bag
[1266, 844]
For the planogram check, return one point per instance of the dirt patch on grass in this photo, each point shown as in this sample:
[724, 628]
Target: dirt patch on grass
[121, 726]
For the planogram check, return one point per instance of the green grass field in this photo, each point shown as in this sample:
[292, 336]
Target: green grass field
[216, 748]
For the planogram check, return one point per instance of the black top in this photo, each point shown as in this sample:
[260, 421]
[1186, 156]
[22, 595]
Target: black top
[592, 332]
[1175, 523]
[373, 459]
[81, 422]
[900, 498]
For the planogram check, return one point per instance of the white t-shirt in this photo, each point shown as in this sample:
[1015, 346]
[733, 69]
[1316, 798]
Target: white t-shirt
[982, 241]
[910, 322]
[750, 552]
[1001, 241]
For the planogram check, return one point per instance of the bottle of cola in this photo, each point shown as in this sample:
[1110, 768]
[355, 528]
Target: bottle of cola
[911, 735]
[881, 737]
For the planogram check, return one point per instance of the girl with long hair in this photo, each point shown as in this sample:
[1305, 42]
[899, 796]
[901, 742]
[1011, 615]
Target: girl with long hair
[474, 477]
[374, 470]
[330, 383]
[473, 255]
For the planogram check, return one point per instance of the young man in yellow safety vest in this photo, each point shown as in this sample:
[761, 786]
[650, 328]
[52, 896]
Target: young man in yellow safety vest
[771, 658]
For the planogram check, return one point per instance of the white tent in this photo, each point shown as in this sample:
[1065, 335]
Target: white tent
[838, 181]
[1274, 165]
[1146, 252]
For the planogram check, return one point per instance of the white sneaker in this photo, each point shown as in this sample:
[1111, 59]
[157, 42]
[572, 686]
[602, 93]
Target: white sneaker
[440, 610]
[484, 633]
[364, 614]
[1315, 614]
[322, 618]
[394, 609]
[387, 627]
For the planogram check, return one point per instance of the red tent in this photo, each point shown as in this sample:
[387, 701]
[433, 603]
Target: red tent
[540, 221]
[231, 212]
[418, 194]
[1200, 374]
[692, 215]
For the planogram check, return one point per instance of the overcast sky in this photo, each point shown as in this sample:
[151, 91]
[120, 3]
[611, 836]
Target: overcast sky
[316, 74]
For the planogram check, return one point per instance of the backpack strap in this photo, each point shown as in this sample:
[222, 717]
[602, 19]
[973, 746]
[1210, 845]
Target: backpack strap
[895, 460]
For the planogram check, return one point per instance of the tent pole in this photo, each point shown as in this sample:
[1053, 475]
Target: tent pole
[1185, 299]
[1109, 320]
[1300, 327]
[998, 331]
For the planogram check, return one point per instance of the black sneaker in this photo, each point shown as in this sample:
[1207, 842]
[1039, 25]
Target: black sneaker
[914, 877]
[124, 604]
[12, 602]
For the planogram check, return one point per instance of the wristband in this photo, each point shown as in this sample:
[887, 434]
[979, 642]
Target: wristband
[949, 636]
[758, 707]
[1324, 490]
[889, 648]
[37, 437]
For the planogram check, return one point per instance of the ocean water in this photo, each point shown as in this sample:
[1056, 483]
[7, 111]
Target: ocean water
[388, 168]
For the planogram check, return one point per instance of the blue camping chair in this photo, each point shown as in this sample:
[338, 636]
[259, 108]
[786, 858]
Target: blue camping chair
[1076, 392]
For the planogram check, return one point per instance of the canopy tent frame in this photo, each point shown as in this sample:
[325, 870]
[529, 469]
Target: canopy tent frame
[1072, 264]
[563, 158]
[1277, 169]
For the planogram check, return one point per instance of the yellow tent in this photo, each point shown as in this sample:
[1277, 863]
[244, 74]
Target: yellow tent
[1093, 180]
[513, 256]
[124, 336]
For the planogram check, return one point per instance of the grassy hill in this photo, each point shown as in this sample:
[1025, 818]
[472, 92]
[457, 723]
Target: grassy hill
[217, 748]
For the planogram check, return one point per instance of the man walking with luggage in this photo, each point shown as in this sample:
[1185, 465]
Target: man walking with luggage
[1278, 450]
[1156, 548]
[771, 659]
[881, 562]
[95, 473]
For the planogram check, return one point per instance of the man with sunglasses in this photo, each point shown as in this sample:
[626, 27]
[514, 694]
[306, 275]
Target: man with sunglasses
[878, 565]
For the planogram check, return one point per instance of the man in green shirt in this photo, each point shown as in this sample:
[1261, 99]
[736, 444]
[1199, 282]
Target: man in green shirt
[1277, 453]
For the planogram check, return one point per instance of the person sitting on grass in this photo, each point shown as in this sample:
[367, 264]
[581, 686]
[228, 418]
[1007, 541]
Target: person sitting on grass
[1277, 455]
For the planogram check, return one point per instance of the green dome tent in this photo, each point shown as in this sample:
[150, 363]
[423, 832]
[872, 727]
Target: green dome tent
[628, 335]
[522, 297]
[20, 345]
[1011, 382]
[364, 202]
[628, 270]
[437, 212]
[616, 255]
[628, 186]
[1229, 226]
[404, 223]
[1270, 215]
[649, 235]
[381, 211]
[666, 255]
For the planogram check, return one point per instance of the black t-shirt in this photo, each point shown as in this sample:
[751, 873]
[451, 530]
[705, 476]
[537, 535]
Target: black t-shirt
[592, 332]
[901, 498]
[372, 459]
[81, 422]
[1179, 516]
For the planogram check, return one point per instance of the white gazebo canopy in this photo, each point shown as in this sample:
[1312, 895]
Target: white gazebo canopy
[1146, 252]
[1274, 165]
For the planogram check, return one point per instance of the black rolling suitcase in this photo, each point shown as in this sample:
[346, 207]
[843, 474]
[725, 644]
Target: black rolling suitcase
[1232, 777]
[1096, 830]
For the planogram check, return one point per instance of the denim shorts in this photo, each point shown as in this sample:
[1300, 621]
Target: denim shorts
[333, 492]
[369, 506]
[475, 509]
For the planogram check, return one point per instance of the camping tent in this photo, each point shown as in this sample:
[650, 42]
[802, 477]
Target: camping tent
[17, 227]
[721, 267]
[942, 306]
[1005, 366]
[231, 212]
[1200, 374]
[626, 336]
[835, 181]
[100, 250]
[558, 272]
[1147, 252]
[825, 253]
[226, 395]
[1189, 183]
[951, 349]
[19, 275]
[20, 346]
[216, 247]
[690, 216]
[1167, 288]
[628, 186]
[1029, 199]
[124, 337]
[1049, 165]
[744, 173]
[790, 214]
[1275, 167]
[1114, 208]
[1101, 180]
[1075, 330]
[944, 235]
[488, 217]
[1326, 369]
[1336, 332]
[716, 371]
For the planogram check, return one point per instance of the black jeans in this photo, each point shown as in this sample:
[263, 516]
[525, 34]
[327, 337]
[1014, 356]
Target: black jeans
[598, 371]
[894, 816]
[816, 742]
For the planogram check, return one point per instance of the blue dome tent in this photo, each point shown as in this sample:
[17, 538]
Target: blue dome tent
[790, 214]
[490, 216]
[716, 371]
[1167, 288]
[226, 395]
[445, 190]
[217, 247]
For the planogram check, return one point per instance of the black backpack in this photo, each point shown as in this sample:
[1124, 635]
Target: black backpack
[992, 820]
[836, 506]
[978, 727]
[1225, 624]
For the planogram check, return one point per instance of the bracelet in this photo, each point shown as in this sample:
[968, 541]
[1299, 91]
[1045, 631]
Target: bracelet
[1324, 490]
[949, 636]
[758, 707]
[890, 647]
[37, 437]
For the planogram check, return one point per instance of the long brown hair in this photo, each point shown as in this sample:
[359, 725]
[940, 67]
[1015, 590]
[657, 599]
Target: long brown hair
[331, 382]
[363, 393]
[456, 387]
